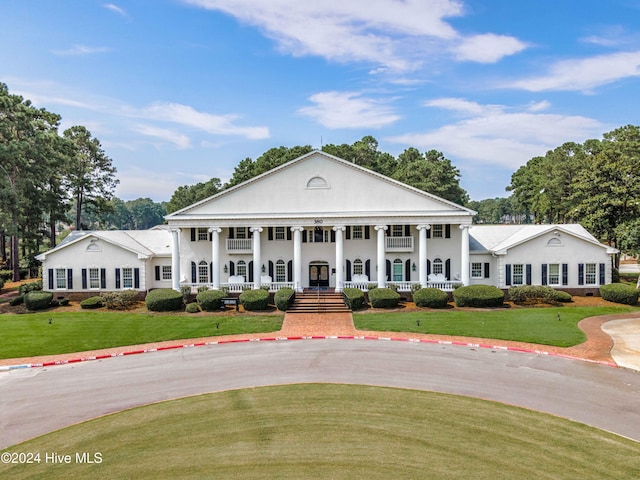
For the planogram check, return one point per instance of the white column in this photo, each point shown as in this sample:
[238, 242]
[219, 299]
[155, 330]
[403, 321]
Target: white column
[215, 257]
[257, 257]
[175, 259]
[339, 258]
[422, 254]
[382, 266]
[464, 254]
[297, 258]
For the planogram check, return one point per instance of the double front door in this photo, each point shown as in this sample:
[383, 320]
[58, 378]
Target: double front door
[318, 274]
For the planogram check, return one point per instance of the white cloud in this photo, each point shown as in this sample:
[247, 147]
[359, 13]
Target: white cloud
[348, 110]
[115, 8]
[78, 50]
[487, 48]
[496, 135]
[584, 74]
[180, 140]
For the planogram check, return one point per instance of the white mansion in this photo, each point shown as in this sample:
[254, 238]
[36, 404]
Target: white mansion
[320, 221]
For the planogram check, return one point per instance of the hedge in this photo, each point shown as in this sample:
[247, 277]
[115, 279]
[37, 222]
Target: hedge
[38, 300]
[478, 296]
[431, 298]
[283, 298]
[120, 300]
[383, 298]
[192, 308]
[539, 294]
[92, 302]
[19, 300]
[355, 298]
[210, 300]
[30, 287]
[619, 293]
[253, 300]
[164, 300]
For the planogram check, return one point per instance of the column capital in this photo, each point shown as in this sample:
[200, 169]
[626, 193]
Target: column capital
[462, 227]
[425, 226]
[380, 227]
[297, 229]
[339, 228]
[255, 229]
[215, 230]
[175, 230]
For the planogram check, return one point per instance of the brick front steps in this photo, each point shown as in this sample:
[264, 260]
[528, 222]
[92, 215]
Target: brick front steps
[318, 302]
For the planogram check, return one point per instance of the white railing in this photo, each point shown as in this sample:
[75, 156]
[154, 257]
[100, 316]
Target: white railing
[364, 286]
[275, 286]
[446, 286]
[239, 245]
[399, 244]
[239, 287]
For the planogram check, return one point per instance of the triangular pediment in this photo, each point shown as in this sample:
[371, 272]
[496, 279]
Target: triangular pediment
[319, 184]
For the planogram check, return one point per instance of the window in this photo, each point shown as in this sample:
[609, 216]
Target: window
[281, 271]
[397, 231]
[356, 232]
[127, 277]
[318, 235]
[554, 274]
[242, 269]
[518, 274]
[436, 231]
[241, 232]
[438, 267]
[94, 278]
[166, 272]
[280, 233]
[397, 270]
[61, 278]
[203, 234]
[357, 267]
[590, 274]
[476, 270]
[203, 272]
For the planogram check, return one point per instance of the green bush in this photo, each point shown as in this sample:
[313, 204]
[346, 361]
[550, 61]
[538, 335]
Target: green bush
[30, 287]
[6, 275]
[563, 296]
[91, 302]
[1, 283]
[619, 293]
[120, 300]
[192, 308]
[19, 300]
[537, 294]
[164, 300]
[210, 300]
[355, 298]
[478, 296]
[384, 298]
[283, 298]
[431, 298]
[64, 302]
[38, 300]
[253, 300]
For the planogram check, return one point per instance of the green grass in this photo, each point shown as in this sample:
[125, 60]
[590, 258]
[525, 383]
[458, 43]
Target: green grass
[332, 431]
[31, 334]
[533, 325]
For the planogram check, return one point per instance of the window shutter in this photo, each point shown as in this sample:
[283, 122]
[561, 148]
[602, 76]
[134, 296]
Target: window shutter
[103, 278]
[367, 232]
[347, 233]
[84, 278]
[333, 236]
[367, 269]
[136, 278]
[565, 274]
[581, 274]
[211, 272]
[428, 266]
[193, 234]
[290, 271]
[407, 230]
[487, 272]
[304, 236]
[447, 231]
[388, 230]
[117, 278]
[447, 268]
[388, 265]
[70, 279]
[601, 270]
[231, 232]
[250, 271]
[211, 236]
[544, 274]
[50, 279]
[348, 276]
[157, 272]
[507, 274]
[232, 269]
[250, 233]
[528, 273]
[194, 273]
[428, 233]
[288, 233]
[270, 233]
[407, 270]
[271, 269]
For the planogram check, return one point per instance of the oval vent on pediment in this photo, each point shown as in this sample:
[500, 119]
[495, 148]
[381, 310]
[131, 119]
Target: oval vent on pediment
[93, 247]
[553, 242]
[317, 182]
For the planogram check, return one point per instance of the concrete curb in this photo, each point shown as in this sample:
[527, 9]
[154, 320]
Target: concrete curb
[313, 337]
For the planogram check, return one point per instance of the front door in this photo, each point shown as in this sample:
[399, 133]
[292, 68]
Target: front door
[319, 274]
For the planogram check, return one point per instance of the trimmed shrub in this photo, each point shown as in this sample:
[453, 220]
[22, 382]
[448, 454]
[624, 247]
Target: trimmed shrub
[384, 298]
[283, 298]
[355, 298]
[253, 300]
[619, 293]
[6, 275]
[210, 300]
[537, 294]
[120, 300]
[431, 298]
[91, 302]
[30, 287]
[64, 302]
[478, 296]
[164, 300]
[563, 296]
[192, 308]
[38, 300]
[19, 300]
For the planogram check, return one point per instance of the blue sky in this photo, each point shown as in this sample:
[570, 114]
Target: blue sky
[180, 91]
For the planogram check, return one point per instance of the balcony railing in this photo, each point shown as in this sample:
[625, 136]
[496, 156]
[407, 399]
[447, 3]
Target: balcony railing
[399, 244]
[239, 245]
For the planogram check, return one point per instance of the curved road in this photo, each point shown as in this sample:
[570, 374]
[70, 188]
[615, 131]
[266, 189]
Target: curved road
[38, 400]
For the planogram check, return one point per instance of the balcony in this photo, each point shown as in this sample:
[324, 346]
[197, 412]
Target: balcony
[399, 244]
[239, 246]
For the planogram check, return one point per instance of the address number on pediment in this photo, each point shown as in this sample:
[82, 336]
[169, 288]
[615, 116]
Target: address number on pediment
[318, 221]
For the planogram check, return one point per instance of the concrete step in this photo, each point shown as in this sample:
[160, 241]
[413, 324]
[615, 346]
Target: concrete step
[318, 302]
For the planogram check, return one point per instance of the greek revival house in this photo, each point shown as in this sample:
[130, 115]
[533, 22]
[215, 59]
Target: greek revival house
[320, 221]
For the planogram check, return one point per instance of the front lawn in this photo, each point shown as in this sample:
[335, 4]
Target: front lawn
[31, 334]
[545, 326]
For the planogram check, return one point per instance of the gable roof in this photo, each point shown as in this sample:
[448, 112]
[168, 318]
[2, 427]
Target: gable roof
[318, 184]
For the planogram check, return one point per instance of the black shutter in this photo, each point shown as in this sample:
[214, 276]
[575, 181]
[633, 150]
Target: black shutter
[447, 269]
[601, 270]
[428, 233]
[103, 278]
[232, 269]
[251, 271]
[528, 272]
[565, 274]
[194, 272]
[290, 271]
[407, 270]
[50, 275]
[288, 233]
[117, 278]
[231, 232]
[348, 275]
[447, 231]
[581, 274]
[544, 274]
[388, 230]
[347, 233]
[367, 232]
[84, 278]
[407, 230]
[250, 233]
[333, 235]
[270, 233]
[70, 279]
[157, 269]
[487, 271]
[428, 266]
[304, 236]
[388, 269]
[136, 278]
[211, 236]
[367, 269]
[271, 269]
[507, 274]
[211, 272]
[193, 234]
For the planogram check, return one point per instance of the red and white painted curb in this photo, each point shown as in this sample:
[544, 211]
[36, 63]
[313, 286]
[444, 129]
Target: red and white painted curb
[314, 337]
